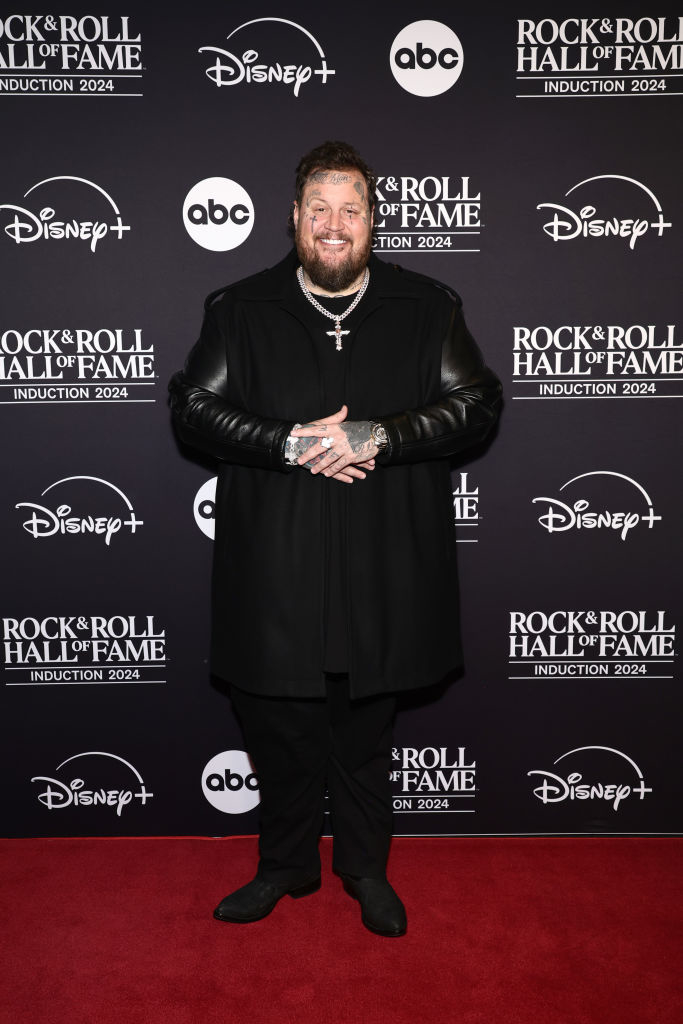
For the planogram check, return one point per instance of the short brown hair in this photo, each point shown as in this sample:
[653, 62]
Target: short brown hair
[333, 156]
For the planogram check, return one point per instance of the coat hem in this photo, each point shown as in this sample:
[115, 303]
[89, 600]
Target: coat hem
[312, 687]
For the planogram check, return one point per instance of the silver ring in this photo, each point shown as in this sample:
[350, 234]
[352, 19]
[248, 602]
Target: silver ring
[327, 442]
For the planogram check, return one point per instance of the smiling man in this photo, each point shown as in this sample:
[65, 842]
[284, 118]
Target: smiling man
[334, 231]
[332, 388]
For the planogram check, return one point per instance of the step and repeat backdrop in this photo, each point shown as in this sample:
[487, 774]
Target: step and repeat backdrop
[531, 158]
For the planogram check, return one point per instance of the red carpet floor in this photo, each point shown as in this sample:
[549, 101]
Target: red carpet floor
[501, 931]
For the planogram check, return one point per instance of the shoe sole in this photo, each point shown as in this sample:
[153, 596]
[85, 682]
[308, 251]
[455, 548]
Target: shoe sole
[302, 890]
[305, 890]
[379, 931]
[395, 934]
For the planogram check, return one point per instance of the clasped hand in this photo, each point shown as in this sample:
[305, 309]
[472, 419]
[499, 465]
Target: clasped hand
[351, 453]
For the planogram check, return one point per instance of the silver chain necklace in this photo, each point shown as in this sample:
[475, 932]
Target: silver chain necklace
[337, 332]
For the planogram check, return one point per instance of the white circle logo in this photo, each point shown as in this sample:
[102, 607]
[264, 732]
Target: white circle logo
[218, 214]
[205, 508]
[230, 783]
[426, 58]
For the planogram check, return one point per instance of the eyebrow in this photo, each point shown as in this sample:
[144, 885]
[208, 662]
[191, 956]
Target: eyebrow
[352, 203]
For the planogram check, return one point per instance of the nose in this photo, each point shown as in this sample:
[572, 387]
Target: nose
[334, 220]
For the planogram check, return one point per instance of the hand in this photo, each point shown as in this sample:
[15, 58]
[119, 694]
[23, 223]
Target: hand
[299, 447]
[352, 446]
[347, 474]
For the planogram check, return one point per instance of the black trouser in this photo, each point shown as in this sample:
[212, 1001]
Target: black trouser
[299, 745]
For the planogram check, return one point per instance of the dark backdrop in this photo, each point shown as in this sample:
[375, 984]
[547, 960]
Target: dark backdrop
[567, 717]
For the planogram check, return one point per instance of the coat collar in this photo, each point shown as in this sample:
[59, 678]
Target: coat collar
[388, 280]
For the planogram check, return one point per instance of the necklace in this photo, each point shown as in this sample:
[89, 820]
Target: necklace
[337, 332]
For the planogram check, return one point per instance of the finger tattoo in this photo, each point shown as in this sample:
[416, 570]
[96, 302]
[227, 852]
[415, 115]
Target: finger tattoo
[299, 445]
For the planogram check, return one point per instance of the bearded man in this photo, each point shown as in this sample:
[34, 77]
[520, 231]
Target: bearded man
[332, 388]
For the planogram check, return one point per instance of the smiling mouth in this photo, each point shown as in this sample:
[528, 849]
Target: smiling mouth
[333, 241]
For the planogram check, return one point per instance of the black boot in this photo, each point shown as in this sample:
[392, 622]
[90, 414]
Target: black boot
[257, 898]
[381, 910]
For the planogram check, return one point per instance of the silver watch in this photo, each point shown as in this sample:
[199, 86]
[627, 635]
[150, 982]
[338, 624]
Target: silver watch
[379, 435]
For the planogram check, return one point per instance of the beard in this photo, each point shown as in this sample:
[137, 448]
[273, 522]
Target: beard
[335, 277]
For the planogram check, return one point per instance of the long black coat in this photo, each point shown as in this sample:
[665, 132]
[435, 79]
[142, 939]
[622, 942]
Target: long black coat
[252, 375]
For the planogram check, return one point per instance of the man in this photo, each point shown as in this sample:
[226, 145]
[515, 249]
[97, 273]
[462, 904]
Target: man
[334, 582]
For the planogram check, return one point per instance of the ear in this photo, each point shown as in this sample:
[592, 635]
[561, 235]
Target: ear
[295, 213]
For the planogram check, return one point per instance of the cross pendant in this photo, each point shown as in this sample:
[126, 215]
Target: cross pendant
[337, 332]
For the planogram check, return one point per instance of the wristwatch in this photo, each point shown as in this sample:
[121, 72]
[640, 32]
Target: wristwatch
[379, 435]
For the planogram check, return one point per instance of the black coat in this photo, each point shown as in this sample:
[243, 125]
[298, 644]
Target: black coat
[254, 373]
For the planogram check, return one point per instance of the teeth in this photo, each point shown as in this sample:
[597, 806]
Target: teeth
[333, 241]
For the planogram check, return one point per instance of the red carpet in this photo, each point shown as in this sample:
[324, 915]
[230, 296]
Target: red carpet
[500, 931]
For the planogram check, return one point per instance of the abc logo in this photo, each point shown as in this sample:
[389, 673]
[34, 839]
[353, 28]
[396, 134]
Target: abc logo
[229, 782]
[205, 508]
[218, 214]
[426, 58]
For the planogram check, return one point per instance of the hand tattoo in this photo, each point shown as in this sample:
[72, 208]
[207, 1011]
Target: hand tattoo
[359, 436]
[296, 446]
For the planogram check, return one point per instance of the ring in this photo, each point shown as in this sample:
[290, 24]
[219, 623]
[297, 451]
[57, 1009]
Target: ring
[327, 442]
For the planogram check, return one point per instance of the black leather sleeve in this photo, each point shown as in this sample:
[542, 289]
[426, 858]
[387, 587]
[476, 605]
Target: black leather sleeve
[467, 409]
[205, 419]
